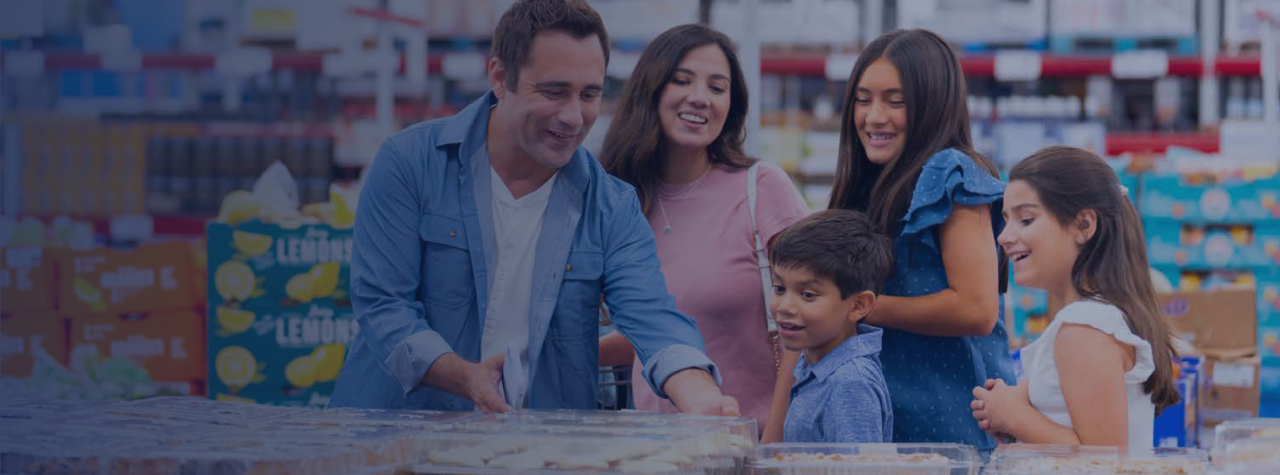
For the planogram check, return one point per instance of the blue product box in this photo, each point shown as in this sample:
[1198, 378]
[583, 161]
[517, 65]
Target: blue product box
[1269, 380]
[1173, 196]
[1171, 242]
[1176, 425]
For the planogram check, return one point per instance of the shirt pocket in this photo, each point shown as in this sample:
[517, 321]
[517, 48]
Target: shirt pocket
[577, 314]
[447, 280]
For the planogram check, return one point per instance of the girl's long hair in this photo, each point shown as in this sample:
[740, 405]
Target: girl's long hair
[1112, 265]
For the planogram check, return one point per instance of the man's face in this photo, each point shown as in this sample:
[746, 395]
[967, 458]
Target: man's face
[556, 99]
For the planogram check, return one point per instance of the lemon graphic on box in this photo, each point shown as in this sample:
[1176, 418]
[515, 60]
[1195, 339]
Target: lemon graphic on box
[234, 320]
[89, 293]
[234, 280]
[300, 287]
[324, 279]
[328, 359]
[251, 244]
[301, 372]
[230, 398]
[235, 366]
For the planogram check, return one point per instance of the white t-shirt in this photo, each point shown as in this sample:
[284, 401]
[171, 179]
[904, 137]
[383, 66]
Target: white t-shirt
[1045, 390]
[516, 227]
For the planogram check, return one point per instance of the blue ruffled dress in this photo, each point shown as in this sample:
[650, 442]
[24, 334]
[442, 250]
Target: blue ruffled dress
[930, 378]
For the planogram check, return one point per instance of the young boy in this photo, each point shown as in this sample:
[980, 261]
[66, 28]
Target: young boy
[827, 269]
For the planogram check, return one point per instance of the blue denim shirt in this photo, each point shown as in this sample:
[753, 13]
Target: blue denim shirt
[419, 281]
[843, 397]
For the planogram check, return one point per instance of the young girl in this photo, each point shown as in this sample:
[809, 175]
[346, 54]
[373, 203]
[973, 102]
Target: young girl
[677, 138]
[906, 159]
[1104, 367]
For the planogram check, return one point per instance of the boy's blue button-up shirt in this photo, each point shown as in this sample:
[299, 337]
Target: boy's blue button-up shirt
[843, 397]
[419, 282]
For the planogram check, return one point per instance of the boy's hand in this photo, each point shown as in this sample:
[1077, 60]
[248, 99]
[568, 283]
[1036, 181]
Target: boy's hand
[996, 406]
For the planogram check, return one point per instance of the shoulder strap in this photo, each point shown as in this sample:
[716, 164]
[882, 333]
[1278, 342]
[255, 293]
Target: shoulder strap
[761, 260]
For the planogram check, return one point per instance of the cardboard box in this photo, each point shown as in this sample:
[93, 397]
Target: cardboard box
[170, 346]
[21, 334]
[1215, 321]
[153, 277]
[274, 355]
[28, 280]
[1230, 391]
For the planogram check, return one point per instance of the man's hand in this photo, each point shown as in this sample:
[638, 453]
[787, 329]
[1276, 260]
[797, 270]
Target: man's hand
[477, 382]
[694, 392]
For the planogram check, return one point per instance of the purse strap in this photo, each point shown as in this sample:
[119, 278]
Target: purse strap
[761, 260]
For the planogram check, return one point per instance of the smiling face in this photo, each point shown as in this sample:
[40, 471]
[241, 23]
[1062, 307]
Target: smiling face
[695, 101]
[556, 99]
[811, 315]
[880, 112]
[1041, 248]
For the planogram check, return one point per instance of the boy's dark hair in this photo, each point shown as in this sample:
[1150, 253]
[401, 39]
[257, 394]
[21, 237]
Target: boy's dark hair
[520, 24]
[841, 245]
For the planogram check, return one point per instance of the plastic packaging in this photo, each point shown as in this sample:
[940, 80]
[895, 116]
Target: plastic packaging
[1034, 459]
[852, 459]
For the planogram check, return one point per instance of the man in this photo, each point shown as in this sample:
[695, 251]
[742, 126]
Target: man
[491, 233]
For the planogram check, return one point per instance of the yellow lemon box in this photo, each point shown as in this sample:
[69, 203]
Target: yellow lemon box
[268, 264]
[276, 355]
[279, 314]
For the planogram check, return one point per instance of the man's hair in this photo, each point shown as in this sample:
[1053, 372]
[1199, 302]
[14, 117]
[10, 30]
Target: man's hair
[841, 245]
[516, 30]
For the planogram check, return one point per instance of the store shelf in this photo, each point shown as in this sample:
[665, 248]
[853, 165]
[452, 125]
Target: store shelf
[295, 61]
[161, 225]
[802, 64]
[1051, 65]
[1118, 143]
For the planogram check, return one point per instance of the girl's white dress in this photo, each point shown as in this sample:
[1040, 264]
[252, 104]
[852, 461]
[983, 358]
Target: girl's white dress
[1041, 372]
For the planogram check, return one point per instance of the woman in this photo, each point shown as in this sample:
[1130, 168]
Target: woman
[677, 138]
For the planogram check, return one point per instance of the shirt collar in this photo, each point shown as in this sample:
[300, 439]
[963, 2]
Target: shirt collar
[469, 124]
[865, 343]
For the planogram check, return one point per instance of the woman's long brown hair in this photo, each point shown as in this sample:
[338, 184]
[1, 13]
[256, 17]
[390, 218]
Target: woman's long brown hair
[937, 119]
[634, 146]
[1112, 265]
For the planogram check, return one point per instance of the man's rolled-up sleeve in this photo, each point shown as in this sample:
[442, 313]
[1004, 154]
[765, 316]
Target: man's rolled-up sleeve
[386, 268]
[665, 340]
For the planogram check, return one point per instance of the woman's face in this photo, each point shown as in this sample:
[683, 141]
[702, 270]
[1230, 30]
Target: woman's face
[880, 112]
[695, 102]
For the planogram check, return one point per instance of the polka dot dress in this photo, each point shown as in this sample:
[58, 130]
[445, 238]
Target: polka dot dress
[931, 378]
